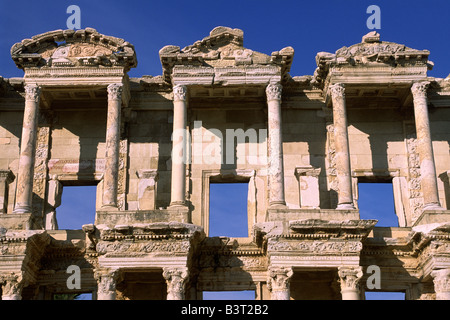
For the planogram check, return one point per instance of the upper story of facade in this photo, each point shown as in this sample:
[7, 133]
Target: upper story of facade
[220, 113]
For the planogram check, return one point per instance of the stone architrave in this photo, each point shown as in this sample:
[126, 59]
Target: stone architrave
[349, 278]
[441, 280]
[176, 281]
[6, 177]
[275, 144]
[24, 190]
[278, 282]
[425, 147]
[110, 179]
[308, 182]
[179, 152]
[147, 189]
[107, 282]
[343, 171]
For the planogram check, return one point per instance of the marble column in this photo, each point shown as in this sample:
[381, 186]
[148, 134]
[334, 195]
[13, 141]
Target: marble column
[278, 282]
[110, 178]
[24, 189]
[275, 144]
[179, 152]
[425, 147]
[349, 278]
[441, 280]
[107, 281]
[343, 171]
[176, 282]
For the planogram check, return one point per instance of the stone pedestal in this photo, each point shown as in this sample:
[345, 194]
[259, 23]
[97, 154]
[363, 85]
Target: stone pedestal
[176, 282]
[275, 144]
[441, 280]
[24, 190]
[179, 152]
[343, 170]
[278, 282]
[308, 184]
[425, 147]
[111, 175]
[349, 278]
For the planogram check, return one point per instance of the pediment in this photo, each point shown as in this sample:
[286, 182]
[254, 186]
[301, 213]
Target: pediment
[223, 48]
[70, 48]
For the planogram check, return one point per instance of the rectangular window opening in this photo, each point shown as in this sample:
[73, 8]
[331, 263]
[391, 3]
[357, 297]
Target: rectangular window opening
[229, 295]
[376, 201]
[72, 296]
[78, 206]
[228, 209]
[378, 295]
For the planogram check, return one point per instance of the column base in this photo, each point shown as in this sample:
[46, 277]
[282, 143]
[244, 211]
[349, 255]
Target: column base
[177, 204]
[109, 207]
[278, 205]
[22, 209]
[345, 206]
[432, 206]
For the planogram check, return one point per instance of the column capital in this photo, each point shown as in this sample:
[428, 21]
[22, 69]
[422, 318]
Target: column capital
[278, 282]
[107, 281]
[12, 286]
[441, 280]
[115, 91]
[350, 277]
[32, 92]
[337, 90]
[179, 92]
[419, 89]
[176, 281]
[273, 91]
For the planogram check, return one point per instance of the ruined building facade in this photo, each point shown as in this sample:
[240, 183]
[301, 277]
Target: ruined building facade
[370, 113]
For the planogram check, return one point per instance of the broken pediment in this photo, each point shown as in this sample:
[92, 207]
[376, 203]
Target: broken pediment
[223, 48]
[371, 52]
[70, 48]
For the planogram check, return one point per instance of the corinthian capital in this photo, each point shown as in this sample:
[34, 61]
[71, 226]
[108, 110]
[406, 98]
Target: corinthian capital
[179, 93]
[176, 280]
[419, 89]
[32, 92]
[273, 91]
[337, 90]
[115, 91]
[350, 276]
[441, 279]
[279, 278]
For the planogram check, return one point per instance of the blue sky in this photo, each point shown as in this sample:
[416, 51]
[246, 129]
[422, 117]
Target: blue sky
[308, 26]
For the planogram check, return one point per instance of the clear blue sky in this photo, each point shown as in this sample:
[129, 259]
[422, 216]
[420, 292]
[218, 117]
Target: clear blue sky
[308, 26]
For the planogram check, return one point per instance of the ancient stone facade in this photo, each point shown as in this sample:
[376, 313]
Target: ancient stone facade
[370, 112]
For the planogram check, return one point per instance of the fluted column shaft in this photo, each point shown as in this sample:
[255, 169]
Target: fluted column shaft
[275, 141]
[425, 147]
[111, 175]
[343, 170]
[24, 190]
[179, 136]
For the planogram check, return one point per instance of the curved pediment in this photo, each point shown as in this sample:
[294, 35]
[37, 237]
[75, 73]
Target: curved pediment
[70, 48]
